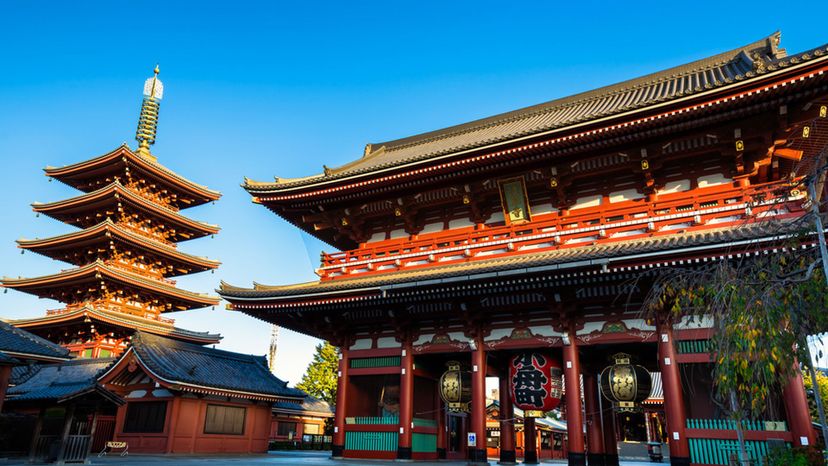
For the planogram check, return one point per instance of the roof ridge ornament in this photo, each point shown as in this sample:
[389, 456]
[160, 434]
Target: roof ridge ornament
[148, 119]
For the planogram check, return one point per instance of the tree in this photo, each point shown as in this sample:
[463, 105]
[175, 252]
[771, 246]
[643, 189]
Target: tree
[319, 380]
[763, 307]
[822, 382]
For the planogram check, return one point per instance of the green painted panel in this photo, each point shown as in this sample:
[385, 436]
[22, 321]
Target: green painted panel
[693, 346]
[362, 363]
[716, 451]
[371, 441]
[423, 443]
[386, 420]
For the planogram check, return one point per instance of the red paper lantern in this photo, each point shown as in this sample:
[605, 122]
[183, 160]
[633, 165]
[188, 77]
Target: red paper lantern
[536, 381]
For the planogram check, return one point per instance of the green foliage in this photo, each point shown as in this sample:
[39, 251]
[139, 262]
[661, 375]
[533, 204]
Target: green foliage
[320, 378]
[802, 456]
[822, 382]
[763, 307]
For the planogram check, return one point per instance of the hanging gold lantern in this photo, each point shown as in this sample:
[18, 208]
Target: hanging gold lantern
[455, 388]
[625, 385]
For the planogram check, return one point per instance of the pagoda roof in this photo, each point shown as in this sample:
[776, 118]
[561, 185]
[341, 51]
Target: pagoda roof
[157, 327]
[117, 161]
[567, 260]
[20, 344]
[110, 196]
[188, 367]
[44, 286]
[715, 74]
[63, 381]
[102, 232]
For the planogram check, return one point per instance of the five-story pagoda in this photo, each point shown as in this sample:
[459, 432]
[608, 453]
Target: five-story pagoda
[125, 252]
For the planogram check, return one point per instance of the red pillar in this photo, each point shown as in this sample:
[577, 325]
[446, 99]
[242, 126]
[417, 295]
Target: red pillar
[507, 421]
[441, 428]
[595, 438]
[574, 416]
[608, 430]
[798, 414]
[338, 446]
[5, 374]
[530, 441]
[477, 454]
[673, 397]
[406, 401]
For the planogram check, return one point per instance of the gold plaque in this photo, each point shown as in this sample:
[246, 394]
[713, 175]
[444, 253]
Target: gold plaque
[515, 201]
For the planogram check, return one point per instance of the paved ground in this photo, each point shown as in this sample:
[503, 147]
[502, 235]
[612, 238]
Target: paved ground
[285, 458]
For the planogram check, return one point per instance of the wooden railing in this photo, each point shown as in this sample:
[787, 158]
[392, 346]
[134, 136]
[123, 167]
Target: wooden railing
[76, 448]
[114, 307]
[47, 448]
[692, 210]
[730, 424]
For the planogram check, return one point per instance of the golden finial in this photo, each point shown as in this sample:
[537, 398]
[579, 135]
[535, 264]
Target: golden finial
[148, 120]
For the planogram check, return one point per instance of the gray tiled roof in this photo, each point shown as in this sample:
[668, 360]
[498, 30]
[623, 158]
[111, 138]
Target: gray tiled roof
[59, 381]
[507, 265]
[21, 342]
[5, 359]
[310, 405]
[709, 73]
[184, 363]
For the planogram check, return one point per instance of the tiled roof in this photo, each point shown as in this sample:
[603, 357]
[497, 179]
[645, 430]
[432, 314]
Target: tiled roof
[310, 405]
[187, 364]
[560, 258]
[6, 360]
[98, 271]
[104, 230]
[718, 71]
[116, 193]
[61, 381]
[122, 154]
[127, 320]
[21, 343]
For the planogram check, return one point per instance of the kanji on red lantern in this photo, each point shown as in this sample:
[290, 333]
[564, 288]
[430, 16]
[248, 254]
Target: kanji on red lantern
[536, 381]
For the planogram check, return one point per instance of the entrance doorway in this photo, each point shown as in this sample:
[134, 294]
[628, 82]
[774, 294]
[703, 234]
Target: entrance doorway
[457, 429]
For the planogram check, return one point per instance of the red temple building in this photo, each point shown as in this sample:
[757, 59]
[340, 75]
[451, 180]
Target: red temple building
[125, 253]
[517, 233]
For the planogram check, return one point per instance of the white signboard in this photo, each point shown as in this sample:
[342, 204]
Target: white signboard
[472, 439]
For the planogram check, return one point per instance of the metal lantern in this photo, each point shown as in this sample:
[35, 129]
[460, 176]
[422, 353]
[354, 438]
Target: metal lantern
[536, 382]
[625, 384]
[455, 388]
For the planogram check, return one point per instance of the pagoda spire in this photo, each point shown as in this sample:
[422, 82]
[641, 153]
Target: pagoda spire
[148, 120]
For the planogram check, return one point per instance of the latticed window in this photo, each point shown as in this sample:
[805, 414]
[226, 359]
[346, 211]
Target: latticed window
[224, 420]
[145, 416]
[287, 429]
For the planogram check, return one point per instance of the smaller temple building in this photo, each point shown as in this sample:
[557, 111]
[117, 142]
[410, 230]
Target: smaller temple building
[185, 398]
[301, 426]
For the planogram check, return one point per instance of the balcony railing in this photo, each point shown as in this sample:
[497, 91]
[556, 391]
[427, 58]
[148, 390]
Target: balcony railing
[672, 213]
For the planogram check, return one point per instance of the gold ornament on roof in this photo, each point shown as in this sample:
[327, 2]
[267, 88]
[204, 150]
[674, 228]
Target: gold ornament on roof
[148, 120]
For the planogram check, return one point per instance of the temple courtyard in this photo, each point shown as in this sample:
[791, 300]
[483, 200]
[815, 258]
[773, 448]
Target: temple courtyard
[280, 457]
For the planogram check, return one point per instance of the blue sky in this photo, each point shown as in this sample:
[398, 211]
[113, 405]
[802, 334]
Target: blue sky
[260, 89]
